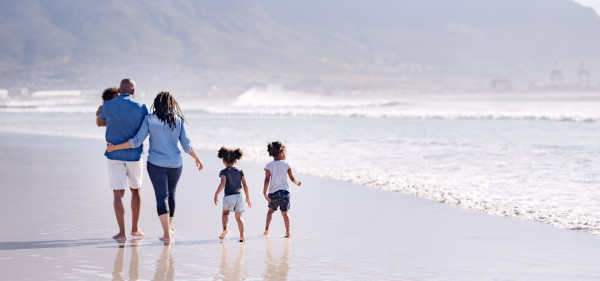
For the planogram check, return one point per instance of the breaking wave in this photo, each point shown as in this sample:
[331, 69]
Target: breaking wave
[276, 101]
[275, 97]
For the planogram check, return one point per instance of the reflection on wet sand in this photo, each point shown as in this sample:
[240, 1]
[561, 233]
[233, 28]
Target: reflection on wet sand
[165, 268]
[277, 267]
[134, 262]
[235, 272]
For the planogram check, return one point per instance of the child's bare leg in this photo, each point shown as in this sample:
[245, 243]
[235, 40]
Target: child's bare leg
[224, 220]
[286, 221]
[166, 226]
[240, 222]
[269, 217]
[119, 214]
[136, 203]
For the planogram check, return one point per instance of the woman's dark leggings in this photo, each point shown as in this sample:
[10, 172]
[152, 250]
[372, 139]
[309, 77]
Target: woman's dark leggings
[164, 181]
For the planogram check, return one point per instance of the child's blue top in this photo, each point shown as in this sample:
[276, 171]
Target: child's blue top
[163, 151]
[124, 116]
[233, 182]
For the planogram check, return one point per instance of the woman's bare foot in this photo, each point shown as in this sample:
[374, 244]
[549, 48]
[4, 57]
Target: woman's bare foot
[120, 237]
[287, 235]
[138, 233]
[223, 234]
[266, 233]
[166, 240]
[242, 239]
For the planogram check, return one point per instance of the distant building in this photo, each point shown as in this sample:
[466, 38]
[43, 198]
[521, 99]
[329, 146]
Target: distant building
[557, 84]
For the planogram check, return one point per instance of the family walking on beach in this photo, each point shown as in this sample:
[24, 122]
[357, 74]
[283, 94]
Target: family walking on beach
[128, 123]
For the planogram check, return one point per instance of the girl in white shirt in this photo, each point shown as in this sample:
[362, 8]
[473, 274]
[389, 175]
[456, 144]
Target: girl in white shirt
[276, 189]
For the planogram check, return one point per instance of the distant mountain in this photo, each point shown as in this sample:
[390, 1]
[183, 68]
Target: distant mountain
[308, 36]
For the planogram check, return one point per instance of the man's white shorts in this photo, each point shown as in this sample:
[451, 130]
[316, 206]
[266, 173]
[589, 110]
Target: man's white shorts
[123, 174]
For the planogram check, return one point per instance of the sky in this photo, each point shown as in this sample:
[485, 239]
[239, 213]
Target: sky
[590, 3]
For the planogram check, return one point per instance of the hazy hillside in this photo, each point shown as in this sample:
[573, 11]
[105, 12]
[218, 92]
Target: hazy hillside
[299, 36]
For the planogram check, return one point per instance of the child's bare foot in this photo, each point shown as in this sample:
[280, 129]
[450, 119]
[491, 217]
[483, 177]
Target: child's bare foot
[223, 234]
[266, 233]
[138, 233]
[120, 237]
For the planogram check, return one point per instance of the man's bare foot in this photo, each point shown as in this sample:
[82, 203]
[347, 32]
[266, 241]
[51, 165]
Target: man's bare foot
[287, 235]
[223, 234]
[138, 233]
[242, 239]
[120, 237]
[266, 233]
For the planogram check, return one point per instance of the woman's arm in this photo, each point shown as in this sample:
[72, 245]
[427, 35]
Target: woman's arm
[220, 188]
[267, 180]
[112, 147]
[134, 142]
[187, 146]
[198, 162]
[246, 191]
[296, 182]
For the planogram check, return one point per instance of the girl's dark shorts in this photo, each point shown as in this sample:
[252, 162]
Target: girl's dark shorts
[281, 199]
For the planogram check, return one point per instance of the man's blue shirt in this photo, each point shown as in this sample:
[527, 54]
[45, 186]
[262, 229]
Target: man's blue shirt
[124, 116]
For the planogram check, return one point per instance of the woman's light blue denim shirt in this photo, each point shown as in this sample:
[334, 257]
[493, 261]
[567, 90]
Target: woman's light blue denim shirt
[163, 150]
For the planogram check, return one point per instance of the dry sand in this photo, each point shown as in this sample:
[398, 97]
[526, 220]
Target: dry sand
[58, 220]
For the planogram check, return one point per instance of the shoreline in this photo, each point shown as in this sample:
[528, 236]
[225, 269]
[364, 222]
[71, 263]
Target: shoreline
[421, 192]
[340, 230]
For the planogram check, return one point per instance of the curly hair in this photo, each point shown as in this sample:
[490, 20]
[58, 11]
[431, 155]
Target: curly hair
[274, 148]
[109, 94]
[230, 155]
[166, 108]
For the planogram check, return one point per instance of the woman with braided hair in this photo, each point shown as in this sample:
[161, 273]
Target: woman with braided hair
[166, 127]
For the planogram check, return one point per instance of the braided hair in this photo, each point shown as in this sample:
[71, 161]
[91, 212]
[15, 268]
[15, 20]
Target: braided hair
[166, 108]
[230, 155]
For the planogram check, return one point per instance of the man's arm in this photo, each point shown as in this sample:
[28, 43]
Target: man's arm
[100, 122]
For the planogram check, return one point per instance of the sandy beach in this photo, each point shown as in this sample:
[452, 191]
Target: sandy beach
[59, 219]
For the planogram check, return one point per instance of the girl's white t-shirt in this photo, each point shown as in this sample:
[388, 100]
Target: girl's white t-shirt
[279, 173]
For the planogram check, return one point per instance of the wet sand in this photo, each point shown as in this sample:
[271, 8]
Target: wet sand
[59, 219]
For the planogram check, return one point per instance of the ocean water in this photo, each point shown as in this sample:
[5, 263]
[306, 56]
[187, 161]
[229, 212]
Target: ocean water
[528, 155]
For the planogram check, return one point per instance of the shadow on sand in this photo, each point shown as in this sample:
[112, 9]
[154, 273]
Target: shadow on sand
[23, 245]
